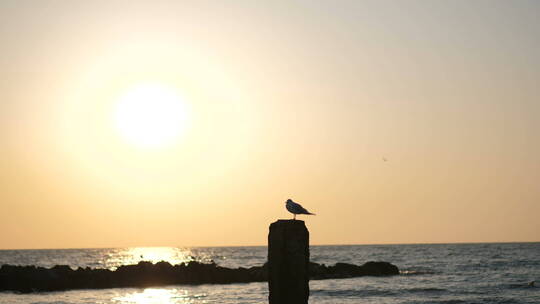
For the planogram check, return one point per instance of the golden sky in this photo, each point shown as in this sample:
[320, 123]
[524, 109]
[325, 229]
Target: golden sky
[189, 123]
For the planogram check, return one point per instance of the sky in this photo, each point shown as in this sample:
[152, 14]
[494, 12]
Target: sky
[190, 123]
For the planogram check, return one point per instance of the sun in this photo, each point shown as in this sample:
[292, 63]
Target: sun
[150, 115]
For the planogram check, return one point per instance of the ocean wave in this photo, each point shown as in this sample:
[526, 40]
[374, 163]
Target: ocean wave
[500, 300]
[353, 293]
[416, 272]
[440, 302]
[60, 302]
[425, 290]
[524, 285]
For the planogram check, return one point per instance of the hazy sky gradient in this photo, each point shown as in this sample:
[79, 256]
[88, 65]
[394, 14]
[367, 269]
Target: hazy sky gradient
[287, 99]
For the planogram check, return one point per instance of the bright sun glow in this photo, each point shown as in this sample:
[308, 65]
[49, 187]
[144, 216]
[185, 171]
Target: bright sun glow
[157, 296]
[150, 115]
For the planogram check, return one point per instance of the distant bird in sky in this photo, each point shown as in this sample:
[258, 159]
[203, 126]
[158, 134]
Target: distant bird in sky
[295, 208]
[384, 159]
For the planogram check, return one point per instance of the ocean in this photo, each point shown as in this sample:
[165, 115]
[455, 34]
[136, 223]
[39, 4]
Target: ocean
[430, 273]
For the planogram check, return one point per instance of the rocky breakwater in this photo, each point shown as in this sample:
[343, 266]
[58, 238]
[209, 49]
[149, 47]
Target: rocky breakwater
[61, 277]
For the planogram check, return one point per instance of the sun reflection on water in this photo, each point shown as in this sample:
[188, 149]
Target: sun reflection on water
[157, 254]
[129, 256]
[159, 296]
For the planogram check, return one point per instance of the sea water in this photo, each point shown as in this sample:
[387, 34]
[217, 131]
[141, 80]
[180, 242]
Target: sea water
[430, 273]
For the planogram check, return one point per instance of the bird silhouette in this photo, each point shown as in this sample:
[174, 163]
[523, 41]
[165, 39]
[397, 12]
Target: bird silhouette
[295, 208]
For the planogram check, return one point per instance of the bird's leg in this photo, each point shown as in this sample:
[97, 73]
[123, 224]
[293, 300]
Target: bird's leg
[294, 218]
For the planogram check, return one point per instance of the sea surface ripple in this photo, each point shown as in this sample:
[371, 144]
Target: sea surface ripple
[430, 273]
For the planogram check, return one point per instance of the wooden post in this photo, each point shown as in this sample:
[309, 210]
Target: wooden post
[288, 262]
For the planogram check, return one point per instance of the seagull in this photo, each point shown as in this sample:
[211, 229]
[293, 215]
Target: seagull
[295, 208]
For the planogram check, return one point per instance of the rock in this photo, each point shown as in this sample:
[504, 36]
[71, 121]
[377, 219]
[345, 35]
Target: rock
[61, 277]
[380, 269]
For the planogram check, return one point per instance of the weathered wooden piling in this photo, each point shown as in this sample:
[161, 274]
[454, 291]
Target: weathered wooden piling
[288, 262]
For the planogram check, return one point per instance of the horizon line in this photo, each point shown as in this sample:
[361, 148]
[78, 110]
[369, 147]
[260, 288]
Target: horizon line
[265, 245]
